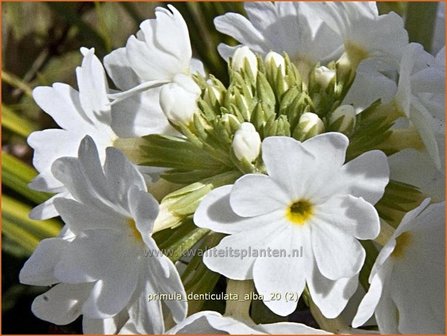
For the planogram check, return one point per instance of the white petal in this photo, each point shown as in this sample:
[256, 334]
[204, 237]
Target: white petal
[109, 297]
[330, 296]
[352, 215]
[371, 299]
[425, 124]
[99, 254]
[104, 326]
[416, 168]
[61, 304]
[366, 176]
[140, 115]
[120, 176]
[62, 103]
[419, 275]
[145, 316]
[80, 217]
[49, 145]
[368, 87]
[144, 210]
[254, 195]
[118, 68]
[215, 213]
[241, 29]
[284, 274]
[238, 264]
[38, 269]
[338, 254]
[93, 88]
[46, 209]
[172, 33]
[387, 315]
[287, 160]
[171, 285]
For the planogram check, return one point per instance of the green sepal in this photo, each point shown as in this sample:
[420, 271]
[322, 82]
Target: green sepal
[398, 199]
[173, 152]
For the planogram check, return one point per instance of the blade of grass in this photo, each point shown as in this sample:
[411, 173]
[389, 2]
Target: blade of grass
[16, 213]
[16, 82]
[16, 123]
[17, 174]
[27, 241]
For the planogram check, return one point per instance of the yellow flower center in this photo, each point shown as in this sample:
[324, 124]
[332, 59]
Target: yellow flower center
[402, 243]
[133, 229]
[299, 212]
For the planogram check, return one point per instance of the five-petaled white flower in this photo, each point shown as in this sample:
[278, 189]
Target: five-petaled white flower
[408, 278]
[99, 264]
[310, 199]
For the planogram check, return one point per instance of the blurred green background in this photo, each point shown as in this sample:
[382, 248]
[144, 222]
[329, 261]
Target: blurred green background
[40, 46]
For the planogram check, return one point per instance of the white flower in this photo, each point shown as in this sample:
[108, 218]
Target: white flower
[408, 278]
[99, 264]
[160, 50]
[246, 142]
[282, 27]
[86, 112]
[211, 322]
[178, 99]
[242, 55]
[310, 200]
[365, 33]
[421, 94]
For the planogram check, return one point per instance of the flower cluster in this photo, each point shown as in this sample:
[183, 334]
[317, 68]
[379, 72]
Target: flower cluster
[327, 139]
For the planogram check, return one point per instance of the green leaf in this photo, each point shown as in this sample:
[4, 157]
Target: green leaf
[17, 175]
[16, 123]
[15, 215]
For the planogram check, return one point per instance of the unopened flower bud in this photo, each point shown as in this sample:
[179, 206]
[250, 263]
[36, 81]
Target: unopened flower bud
[243, 55]
[231, 123]
[246, 142]
[343, 119]
[277, 60]
[324, 76]
[178, 99]
[308, 126]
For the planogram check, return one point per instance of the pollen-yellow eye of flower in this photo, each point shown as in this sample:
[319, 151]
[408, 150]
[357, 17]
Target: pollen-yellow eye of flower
[402, 243]
[133, 229]
[299, 212]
